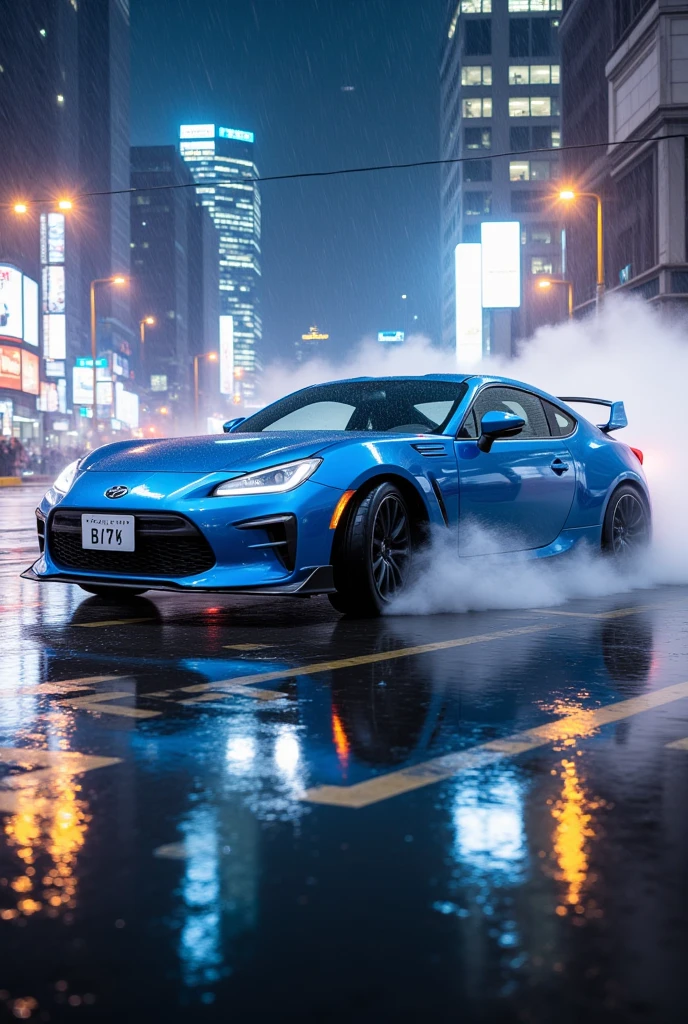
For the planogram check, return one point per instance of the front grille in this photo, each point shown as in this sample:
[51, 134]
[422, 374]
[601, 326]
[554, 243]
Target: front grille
[166, 545]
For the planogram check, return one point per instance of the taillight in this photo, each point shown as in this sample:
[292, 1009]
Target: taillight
[638, 454]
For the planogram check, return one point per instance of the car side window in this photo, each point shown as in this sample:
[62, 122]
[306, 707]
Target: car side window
[560, 423]
[523, 403]
[469, 428]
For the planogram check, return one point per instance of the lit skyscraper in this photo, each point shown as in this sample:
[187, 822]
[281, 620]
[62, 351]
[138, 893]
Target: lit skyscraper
[222, 164]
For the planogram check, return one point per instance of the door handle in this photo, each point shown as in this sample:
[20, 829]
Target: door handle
[559, 467]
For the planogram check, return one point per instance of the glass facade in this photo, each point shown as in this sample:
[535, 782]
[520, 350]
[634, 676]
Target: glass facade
[222, 164]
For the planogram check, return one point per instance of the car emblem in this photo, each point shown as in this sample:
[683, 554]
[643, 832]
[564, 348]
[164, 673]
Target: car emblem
[116, 492]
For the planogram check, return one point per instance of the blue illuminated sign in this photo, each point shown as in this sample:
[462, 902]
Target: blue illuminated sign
[234, 133]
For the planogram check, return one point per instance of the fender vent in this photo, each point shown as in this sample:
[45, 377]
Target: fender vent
[430, 449]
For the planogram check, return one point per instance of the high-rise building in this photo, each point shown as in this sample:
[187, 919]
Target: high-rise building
[174, 251]
[64, 121]
[500, 86]
[624, 68]
[310, 345]
[221, 161]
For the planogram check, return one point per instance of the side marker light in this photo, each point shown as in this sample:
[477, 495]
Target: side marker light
[339, 508]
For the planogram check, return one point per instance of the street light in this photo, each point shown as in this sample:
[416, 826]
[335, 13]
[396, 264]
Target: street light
[548, 282]
[21, 208]
[147, 321]
[212, 358]
[64, 204]
[118, 280]
[568, 195]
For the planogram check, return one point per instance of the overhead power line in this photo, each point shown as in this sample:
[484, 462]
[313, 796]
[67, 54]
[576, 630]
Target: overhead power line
[370, 169]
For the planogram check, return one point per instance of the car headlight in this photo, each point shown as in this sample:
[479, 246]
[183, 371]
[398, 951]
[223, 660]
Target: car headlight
[276, 480]
[66, 477]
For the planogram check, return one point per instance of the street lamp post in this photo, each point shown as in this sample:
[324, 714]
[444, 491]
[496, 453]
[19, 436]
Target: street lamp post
[212, 358]
[147, 321]
[548, 282]
[118, 280]
[568, 195]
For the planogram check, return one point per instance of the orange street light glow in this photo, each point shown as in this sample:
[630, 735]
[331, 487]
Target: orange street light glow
[119, 280]
[65, 204]
[568, 194]
[150, 320]
[20, 208]
[212, 357]
[545, 283]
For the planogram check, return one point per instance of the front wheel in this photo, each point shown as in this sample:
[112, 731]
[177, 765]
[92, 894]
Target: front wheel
[114, 594]
[626, 528]
[372, 556]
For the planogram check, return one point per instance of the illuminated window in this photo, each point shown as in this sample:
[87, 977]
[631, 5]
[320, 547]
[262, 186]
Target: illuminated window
[521, 6]
[476, 6]
[519, 107]
[476, 75]
[556, 138]
[540, 106]
[534, 74]
[60, 98]
[533, 106]
[541, 265]
[479, 107]
[519, 170]
[519, 74]
[539, 170]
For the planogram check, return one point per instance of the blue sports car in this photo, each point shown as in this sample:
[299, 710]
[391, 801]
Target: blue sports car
[332, 489]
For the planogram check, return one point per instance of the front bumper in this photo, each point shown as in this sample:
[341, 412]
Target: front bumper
[266, 544]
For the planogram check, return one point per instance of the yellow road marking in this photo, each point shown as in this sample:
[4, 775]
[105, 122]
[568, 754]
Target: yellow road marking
[440, 768]
[617, 613]
[172, 851]
[247, 647]
[62, 686]
[678, 745]
[96, 702]
[365, 659]
[112, 622]
[232, 691]
[41, 767]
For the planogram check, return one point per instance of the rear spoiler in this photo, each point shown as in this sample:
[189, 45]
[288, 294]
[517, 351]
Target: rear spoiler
[617, 415]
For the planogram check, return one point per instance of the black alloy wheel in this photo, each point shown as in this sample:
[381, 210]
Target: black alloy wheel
[372, 552]
[626, 531]
[390, 546]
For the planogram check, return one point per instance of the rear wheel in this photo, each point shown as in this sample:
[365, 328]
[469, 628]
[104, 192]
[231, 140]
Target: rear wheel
[372, 556]
[114, 594]
[626, 528]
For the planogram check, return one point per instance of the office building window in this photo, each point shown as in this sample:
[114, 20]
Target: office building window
[476, 6]
[479, 107]
[541, 265]
[533, 170]
[541, 234]
[477, 170]
[477, 204]
[533, 37]
[556, 138]
[519, 170]
[532, 106]
[534, 74]
[522, 6]
[519, 138]
[477, 39]
[477, 138]
[480, 74]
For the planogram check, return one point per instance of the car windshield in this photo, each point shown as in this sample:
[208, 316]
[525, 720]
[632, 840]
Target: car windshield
[393, 406]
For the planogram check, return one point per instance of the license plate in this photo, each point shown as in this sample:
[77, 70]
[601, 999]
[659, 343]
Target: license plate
[108, 533]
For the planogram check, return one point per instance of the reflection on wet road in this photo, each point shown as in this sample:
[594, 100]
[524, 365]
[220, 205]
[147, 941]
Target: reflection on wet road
[226, 809]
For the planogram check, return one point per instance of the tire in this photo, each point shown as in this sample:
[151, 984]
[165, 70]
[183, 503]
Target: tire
[626, 527]
[114, 594]
[372, 555]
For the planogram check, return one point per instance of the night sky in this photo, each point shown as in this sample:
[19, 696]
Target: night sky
[337, 252]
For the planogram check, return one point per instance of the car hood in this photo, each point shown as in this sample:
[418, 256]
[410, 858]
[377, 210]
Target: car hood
[237, 453]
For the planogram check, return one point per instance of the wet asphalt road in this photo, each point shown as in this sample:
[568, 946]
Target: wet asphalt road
[236, 810]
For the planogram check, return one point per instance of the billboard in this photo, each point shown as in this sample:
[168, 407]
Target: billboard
[55, 368]
[469, 305]
[235, 133]
[30, 374]
[52, 238]
[82, 385]
[10, 367]
[390, 336]
[47, 400]
[501, 264]
[11, 302]
[226, 355]
[53, 290]
[55, 336]
[30, 309]
[197, 131]
[126, 406]
[158, 382]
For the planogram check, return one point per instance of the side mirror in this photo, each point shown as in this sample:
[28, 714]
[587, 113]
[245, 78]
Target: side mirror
[498, 424]
[231, 425]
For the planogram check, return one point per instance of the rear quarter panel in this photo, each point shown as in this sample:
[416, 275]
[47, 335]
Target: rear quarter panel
[602, 464]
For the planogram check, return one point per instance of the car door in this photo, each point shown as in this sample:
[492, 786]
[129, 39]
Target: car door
[520, 492]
